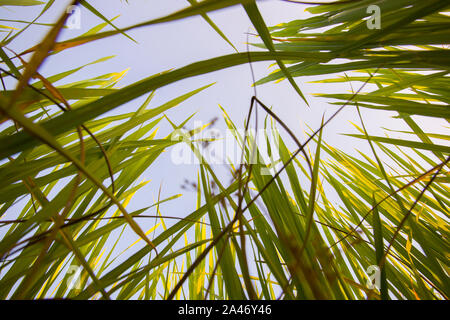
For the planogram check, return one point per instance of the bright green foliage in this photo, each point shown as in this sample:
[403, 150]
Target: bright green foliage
[311, 231]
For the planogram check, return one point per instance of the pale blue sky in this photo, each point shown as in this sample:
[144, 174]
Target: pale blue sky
[171, 45]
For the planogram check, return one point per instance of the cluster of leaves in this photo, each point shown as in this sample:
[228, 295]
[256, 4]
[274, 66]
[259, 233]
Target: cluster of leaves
[59, 157]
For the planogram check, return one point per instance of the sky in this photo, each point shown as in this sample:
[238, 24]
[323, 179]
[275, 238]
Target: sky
[173, 45]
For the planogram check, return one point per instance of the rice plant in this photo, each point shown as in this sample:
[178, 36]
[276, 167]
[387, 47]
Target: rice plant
[317, 223]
